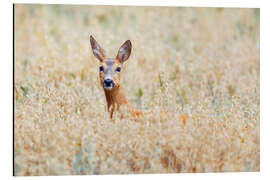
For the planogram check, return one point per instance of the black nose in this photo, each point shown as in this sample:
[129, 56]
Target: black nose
[108, 82]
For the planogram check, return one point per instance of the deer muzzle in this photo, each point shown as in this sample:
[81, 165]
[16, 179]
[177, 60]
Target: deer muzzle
[108, 84]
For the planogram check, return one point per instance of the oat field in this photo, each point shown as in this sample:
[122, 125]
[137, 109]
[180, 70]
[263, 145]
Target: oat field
[199, 64]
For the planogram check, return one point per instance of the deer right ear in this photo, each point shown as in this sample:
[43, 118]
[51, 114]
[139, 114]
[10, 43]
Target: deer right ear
[98, 51]
[124, 51]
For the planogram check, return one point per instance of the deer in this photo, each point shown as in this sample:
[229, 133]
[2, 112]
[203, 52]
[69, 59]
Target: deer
[109, 75]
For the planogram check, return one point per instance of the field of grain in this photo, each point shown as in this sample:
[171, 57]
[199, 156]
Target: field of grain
[202, 64]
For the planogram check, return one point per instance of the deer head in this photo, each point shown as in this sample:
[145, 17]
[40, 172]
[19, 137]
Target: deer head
[110, 68]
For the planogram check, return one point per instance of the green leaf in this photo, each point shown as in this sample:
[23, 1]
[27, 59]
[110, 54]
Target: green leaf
[25, 64]
[184, 96]
[45, 100]
[219, 9]
[257, 13]
[240, 27]
[25, 90]
[140, 93]
[160, 81]
[72, 75]
[82, 75]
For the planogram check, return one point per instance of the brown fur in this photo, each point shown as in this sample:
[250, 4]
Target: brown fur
[115, 96]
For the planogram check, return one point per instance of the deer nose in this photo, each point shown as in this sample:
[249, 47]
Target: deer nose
[108, 82]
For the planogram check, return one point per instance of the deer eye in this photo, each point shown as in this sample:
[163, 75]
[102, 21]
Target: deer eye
[101, 68]
[118, 69]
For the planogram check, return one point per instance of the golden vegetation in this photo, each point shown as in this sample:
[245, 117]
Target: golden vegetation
[201, 65]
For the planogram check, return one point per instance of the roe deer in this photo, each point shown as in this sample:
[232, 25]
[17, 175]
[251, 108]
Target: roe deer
[109, 73]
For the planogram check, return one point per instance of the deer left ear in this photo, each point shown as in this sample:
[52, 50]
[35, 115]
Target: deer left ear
[124, 52]
[98, 51]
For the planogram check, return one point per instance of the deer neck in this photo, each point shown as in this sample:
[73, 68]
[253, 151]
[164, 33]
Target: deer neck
[115, 98]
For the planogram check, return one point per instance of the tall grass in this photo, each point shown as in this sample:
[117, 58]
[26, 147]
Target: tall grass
[202, 63]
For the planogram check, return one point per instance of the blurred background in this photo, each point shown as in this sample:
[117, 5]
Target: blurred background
[200, 62]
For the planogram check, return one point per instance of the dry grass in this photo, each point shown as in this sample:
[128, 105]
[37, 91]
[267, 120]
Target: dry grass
[200, 63]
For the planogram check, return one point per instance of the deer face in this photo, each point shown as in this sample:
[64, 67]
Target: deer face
[109, 73]
[110, 68]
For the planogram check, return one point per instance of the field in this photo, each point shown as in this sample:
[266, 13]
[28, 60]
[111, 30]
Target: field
[199, 64]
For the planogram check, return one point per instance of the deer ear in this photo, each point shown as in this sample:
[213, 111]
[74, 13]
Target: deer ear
[124, 51]
[98, 51]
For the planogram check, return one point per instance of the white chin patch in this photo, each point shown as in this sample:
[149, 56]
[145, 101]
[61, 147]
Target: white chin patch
[108, 88]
